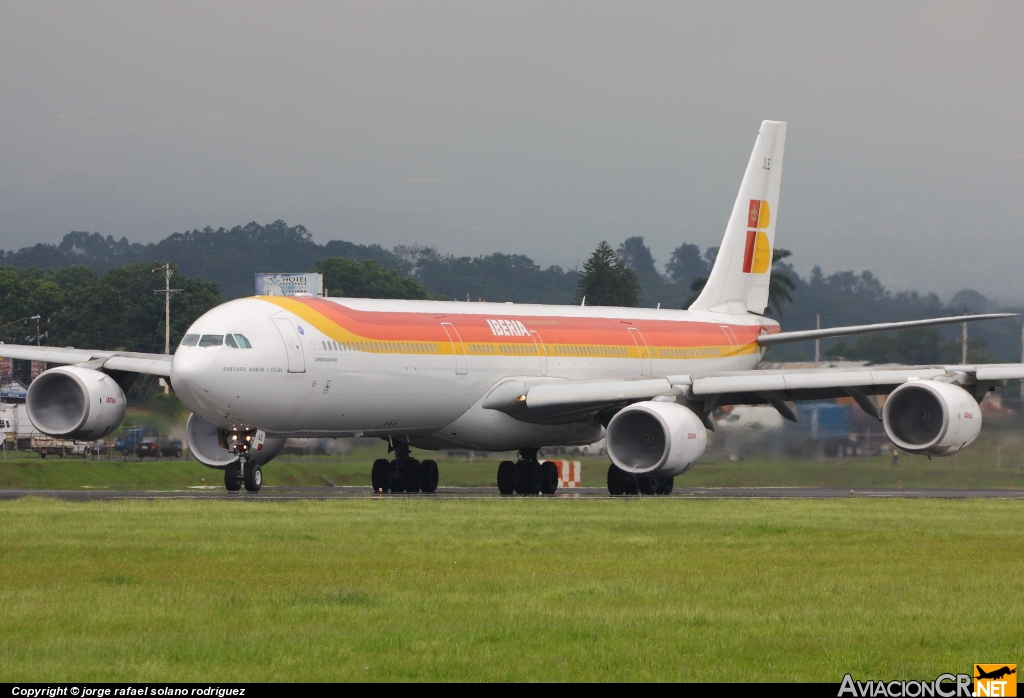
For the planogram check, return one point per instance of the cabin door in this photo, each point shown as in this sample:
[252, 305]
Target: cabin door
[645, 352]
[296, 359]
[458, 348]
[541, 352]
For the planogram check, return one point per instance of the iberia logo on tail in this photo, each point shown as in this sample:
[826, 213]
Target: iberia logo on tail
[757, 254]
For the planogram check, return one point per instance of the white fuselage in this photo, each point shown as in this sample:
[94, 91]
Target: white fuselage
[420, 369]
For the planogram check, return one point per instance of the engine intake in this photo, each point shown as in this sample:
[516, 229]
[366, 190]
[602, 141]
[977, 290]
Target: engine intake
[661, 439]
[929, 417]
[71, 402]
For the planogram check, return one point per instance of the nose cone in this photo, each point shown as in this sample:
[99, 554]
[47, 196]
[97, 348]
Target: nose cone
[192, 372]
[198, 372]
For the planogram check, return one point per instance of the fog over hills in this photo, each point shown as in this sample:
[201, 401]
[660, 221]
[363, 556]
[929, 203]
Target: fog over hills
[527, 128]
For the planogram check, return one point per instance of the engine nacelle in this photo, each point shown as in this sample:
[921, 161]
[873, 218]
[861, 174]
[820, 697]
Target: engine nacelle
[656, 439]
[205, 443]
[70, 402]
[929, 417]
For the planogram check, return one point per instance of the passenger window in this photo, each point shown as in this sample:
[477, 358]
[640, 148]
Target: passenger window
[243, 342]
[190, 340]
[230, 341]
[211, 340]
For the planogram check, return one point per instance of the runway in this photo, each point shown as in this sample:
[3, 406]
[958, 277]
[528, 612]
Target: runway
[271, 494]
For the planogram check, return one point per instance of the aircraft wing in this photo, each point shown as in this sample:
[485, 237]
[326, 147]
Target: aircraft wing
[547, 401]
[124, 361]
[767, 340]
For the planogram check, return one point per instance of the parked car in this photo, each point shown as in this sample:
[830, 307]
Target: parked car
[156, 446]
[129, 439]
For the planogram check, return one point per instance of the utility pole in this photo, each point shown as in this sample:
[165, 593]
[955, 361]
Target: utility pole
[168, 292]
[963, 343]
[817, 342]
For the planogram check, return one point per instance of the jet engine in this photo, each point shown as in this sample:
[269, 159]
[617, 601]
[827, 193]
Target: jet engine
[656, 439]
[71, 402]
[929, 417]
[205, 441]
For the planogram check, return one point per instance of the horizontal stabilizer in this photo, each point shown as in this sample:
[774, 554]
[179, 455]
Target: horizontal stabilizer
[767, 340]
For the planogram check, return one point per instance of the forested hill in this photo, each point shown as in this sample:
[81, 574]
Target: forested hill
[230, 257]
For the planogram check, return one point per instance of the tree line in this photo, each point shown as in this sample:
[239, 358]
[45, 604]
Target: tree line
[222, 261]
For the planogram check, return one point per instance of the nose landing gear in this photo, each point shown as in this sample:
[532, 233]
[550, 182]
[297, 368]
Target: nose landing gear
[243, 471]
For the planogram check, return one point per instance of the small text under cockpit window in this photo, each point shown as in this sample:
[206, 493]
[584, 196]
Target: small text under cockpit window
[190, 340]
[211, 340]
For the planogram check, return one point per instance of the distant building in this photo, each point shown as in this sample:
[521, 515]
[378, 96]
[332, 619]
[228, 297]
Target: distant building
[289, 284]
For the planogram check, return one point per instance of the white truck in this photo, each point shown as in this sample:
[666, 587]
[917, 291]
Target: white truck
[20, 434]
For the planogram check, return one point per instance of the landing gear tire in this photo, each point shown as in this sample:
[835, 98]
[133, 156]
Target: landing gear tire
[430, 476]
[647, 485]
[548, 477]
[253, 478]
[379, 475]
[527, 477]
[506, 477]
[412, 475]
[233, 477]
[395, 476]
[629, 485]
[665, 485]
[615, 477]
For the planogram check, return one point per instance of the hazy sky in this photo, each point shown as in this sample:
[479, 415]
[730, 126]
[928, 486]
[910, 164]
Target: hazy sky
[535, 128]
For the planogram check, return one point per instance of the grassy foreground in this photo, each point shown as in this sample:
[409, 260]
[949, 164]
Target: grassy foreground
[512, 589]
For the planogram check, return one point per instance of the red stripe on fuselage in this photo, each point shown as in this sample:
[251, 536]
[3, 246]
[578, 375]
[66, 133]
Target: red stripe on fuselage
[407, 326]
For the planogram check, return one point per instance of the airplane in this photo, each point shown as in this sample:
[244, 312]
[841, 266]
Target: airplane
[510, 377]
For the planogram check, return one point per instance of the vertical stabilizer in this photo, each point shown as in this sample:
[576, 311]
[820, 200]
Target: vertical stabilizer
[739, 280]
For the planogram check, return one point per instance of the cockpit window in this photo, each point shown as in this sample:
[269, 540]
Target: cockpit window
[190, 340]
[211, 340]
[242, 341]
[230, 341]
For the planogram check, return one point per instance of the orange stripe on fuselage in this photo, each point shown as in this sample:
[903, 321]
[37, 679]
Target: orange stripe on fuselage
[344, 324]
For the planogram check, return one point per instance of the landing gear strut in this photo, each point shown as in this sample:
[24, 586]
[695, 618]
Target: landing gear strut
[621, 482]
[527, 475]
[404, 473]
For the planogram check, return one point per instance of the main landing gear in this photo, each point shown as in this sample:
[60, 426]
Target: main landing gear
[404, 473]
[621, 482]
[243, 473]
[527, 475]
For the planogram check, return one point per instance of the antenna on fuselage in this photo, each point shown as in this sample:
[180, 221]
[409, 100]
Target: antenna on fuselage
[584, 301]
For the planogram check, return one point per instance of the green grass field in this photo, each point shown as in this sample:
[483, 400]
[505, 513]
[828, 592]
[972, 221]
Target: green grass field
[507, 589]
